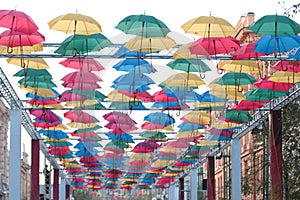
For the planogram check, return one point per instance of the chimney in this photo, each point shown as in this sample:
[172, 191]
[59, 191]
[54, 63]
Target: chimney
[249, 19]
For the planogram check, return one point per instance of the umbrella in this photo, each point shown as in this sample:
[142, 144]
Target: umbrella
[246, 52]
[285, 77]
[81, 77]
[134, 64]
[143, 25]
[21, 49]
[215, 45]
[184, 80]
[45, 115]
[14, 39]
[197, 117]
[189, 65]
[80, 44]
[43, 92]
[237, 116]
[83, 64]
[150, 44]
[228, 92]
[271, 85]
[80, 116]
[183, 52]
[246, 66]
[287, 65]
[143, 147]
[209, 26]
[75, 23]
[160, 118]
[248, 105]
[295, 54]
[34, 63]
[262, 94]
[17, 21]
[275, 25]
[269, 44]
[235, 79]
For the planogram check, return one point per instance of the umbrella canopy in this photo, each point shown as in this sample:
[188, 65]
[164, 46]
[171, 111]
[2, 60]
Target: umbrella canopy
[33, 63]
[21, 49]
[143, 25]
[295, 54]
[15, 39]
[150, 44]
[245, 66]
[183, 52]
[215, 45]
[134, 64]
[184, 80]
[237, 116]
[75, 23]
[80, 116]
[287, 65]
[269, 44]
[189, 65]
[235, 79]
[83, 64]
[81, 77]
[209, 26]
[285, 77]
[248, 105]
[160, 118]
[246, 52]
[196, 117]
[17, 21]
[262, 94]
[271, 85]
[275, 25]
[81, 44]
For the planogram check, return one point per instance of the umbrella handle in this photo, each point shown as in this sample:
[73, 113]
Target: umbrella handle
[202, 75]
[9, 50]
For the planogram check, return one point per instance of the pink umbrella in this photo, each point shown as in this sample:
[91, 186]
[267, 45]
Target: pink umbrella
[80, 116]
[81, 77]
[45, 125]
[16, 39]
[82, 86]
[83, 64]
[271, 85]
[144, 96]
[123, 127]
[214, 46]
[67, 96]
[151, 126]
[249, 105]
[119, 118]
[17, 21]
[246, 52]
[45, 115]
[177, 144]
[143, 147]
[287, 65]
[58, 151]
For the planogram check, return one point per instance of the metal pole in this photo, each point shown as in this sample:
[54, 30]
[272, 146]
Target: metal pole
[172, 193]
[15, 155]
[62, 189]
[236, 169]
[56, 185]
[194, 183]
[35, 169]
[211, 184]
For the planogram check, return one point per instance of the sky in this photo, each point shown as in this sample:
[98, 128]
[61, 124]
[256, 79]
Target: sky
[109, 13]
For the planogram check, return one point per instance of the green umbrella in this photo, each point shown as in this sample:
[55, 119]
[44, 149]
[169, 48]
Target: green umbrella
[189, 65]
[235, 79]
[58, 143]
[29, 72]
[37, 83]
[90, 94]
[262, 94]
[153, 135]
[81, 44]
[143, 25]
[275, 25]
[239, 116]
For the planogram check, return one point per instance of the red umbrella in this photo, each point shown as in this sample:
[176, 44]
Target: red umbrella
[112, 155]
[249, 105]
[246, 52]
[143, 147]
[45, 125]
[70, 96]
[17, 21]
[81, 85]
[16, 39]
[287, 65]
[271, 85]
[81, 77]
[177, 144]
[58, 151]
[162, 96]
[117, 115]
[38, 102]
[144, 96]
[123, 127]
[221, 132]
[83, 64]
[80, 116]
[215, 45]
[89, 159]
[45, 115]
[139, 162]
[151, 126]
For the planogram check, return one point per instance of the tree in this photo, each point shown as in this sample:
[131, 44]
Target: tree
[289, 10]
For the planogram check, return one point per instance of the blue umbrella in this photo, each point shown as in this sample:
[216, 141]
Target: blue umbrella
[269, 44]
[160, 118]
[135, 64]
[55, 134]
[123, 137]
[295, 54]
[30, 95]
[124, 52]
[185, 126]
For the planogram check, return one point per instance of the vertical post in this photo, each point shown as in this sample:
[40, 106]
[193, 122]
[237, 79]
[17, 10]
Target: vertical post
[236, 169]
[194, 183]
[275, 125]
[62, 189]
[67, 192]
[211, 184]
[171, 192]
[181, 188]
[35, 169]
[15, 154]
[56, 184]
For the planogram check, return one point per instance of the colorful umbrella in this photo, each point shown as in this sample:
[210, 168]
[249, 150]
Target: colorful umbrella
[33, 63]
[246, 52]
[285, 77]
[295, 54]
[183, 52]
[262, 94]
[189, 65]
[271, 85]
[235, 79]
[237, 116]
[17, 21]
[81, 77]
[246, 66]
[209, 26]
[275, 25]
[143, 25]
[80, 116]
[75, 23]
[16, 39]
[83, 64]
[287, 65]
[81, 44]
[20, 50]
[183, 80]
[248, 105]
[134, 64]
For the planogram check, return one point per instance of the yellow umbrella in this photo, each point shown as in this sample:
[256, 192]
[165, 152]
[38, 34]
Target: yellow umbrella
[188, 134]
[151, 44]
[230, 92]
[170, 174]
[197, 117]
[34, 63]
[225, 125]
[209, 26]
[160, 163]
[58, 127]
[22, 49]
[183, 52]
[246, 66]
[184, 80]
[55, 140]
[81, 125]
[207, 143]
[207, 105]
[140, 156]
[44, 92]
[114, 95]
[285, 77]
[88, 102]
[170, 150]
[54, 106]
[75, 23]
